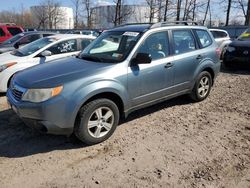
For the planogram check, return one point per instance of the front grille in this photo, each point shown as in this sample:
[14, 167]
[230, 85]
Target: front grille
[16, 94]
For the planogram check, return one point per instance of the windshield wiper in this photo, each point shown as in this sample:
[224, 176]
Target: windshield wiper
[91, 58]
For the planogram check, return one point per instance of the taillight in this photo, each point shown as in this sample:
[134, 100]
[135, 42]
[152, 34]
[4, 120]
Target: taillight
[218, 52]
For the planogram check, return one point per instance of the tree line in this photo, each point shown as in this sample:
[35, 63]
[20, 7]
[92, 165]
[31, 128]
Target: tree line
[48, 13]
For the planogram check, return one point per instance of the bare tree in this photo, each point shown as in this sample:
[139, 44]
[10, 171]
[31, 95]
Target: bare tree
[206, 12]
[48, 14]
[118, 5]
[228, 11]
[178, 10]
[166, 10]
[152, 9]
[77, 9]
[121, 12]
[89, 12]
[41, 16]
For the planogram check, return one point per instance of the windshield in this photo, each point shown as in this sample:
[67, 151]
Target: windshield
[13, 39]
[33, 47]
[245, 36]
[111, 47]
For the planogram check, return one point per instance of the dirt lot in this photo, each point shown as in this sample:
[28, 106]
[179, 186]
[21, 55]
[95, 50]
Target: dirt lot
[175, 144]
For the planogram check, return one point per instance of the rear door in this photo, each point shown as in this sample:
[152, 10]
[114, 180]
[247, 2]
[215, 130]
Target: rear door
[186, 58]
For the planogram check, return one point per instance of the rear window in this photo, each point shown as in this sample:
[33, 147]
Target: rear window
[2, 33]
[14, 30]
[219, 34]
[204, 38]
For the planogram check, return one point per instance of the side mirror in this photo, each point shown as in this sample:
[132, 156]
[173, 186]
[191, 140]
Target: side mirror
[45, 53]
[141, 58]
[16, 45]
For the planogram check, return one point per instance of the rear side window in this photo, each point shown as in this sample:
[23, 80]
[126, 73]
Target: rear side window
[2, 33]
[204, 38]
[14, 30]
[183, 41]
[156, 45]
[64, 47]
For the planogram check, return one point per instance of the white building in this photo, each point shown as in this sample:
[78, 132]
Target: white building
[104, 16]
[59, 18]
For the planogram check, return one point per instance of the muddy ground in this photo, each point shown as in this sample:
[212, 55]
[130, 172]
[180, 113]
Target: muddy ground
[174, 144]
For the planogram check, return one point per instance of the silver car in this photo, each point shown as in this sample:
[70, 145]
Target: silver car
[123, 70]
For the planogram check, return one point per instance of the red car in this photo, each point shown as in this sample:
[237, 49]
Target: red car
[7, 30]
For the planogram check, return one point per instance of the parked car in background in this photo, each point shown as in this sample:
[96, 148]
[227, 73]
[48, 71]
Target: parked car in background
[8, 30]
[238, 51]
[87, 95]
[38, 52]
[222, 38]
[22, 39]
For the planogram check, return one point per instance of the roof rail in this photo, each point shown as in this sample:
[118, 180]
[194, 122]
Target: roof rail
[160, 24]
[134, 23]
[7, 24]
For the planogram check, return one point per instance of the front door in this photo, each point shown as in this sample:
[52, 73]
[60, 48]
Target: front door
[149, 82]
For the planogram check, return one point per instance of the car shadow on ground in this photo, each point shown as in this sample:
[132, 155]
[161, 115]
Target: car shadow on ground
[182, 100]
[18, 140]
[235, 70]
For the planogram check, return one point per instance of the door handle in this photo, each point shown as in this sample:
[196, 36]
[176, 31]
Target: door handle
[199, 57]
[168, 65]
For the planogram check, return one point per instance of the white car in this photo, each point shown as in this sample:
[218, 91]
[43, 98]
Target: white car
[222, 38]
[40, 51]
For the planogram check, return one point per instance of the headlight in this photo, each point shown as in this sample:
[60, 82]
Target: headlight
[5, 66]
[40, 95]
[231, 48]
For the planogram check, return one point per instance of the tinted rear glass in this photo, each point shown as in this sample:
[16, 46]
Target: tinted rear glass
[219, 34]
[14, 30]
[2, 33]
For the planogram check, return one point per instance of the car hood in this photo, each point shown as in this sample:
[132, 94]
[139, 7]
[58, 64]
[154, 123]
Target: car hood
[8, 58]
[240, 43]
[58, 72]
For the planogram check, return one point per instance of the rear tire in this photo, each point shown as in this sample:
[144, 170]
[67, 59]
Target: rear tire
[202, 87]
[96, 121]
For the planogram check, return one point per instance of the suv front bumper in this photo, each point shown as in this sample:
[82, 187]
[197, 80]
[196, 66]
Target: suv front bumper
[48, 117]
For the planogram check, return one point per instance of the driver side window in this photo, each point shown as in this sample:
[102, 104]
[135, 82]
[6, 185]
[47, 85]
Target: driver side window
[156, 45]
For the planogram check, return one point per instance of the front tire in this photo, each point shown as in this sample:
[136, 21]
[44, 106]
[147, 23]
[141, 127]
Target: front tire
[96, 121]
[202, 86]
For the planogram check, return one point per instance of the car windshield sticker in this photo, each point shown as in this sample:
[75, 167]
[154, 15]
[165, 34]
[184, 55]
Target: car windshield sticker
[67, 46]
[131, 34]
